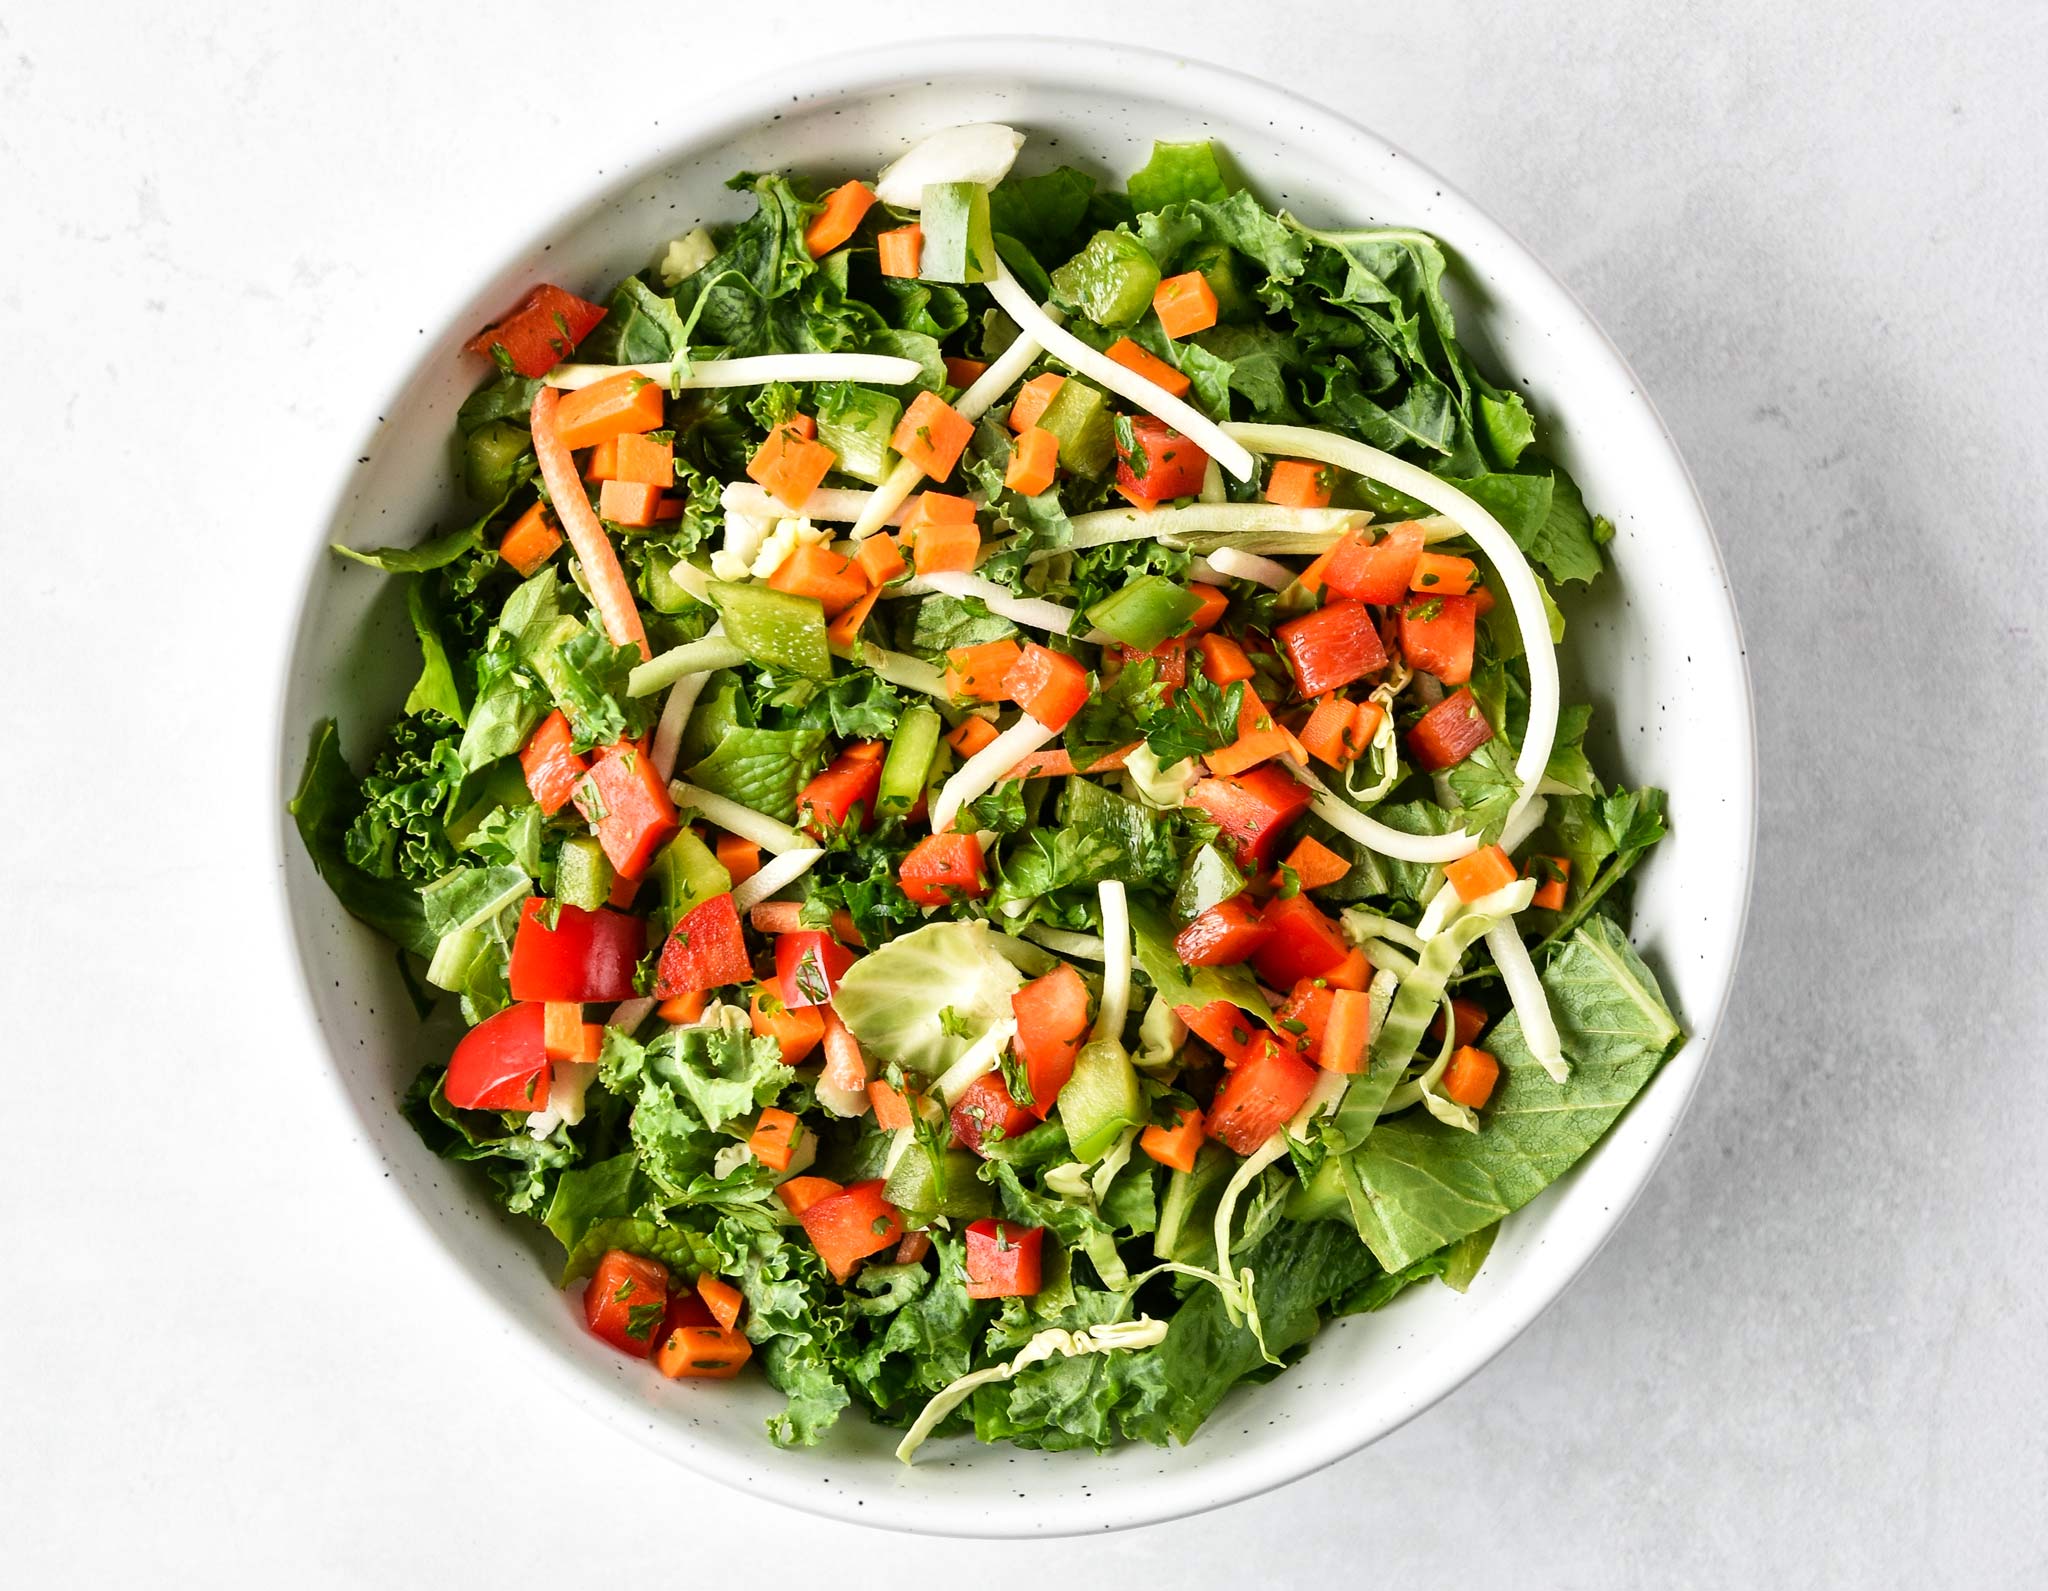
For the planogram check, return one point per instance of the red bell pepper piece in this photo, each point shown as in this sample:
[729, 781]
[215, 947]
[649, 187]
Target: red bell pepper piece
[943, 868]
[1438, 635]
[1301, 943]
[985, 1113]
[1376, 572]
[1331, 647]
[1052, 1024]
[847, 1226]
[1169, 660]
[706, 950]
[502, 1062]
[1004, 1260]
[553, 767]
[1222, 1026]
[542, 332]
[1222, 936]
[585, 956]
[1159, 463]
[853, 779]
[625, 1300]
[626, 801]
[1261, 1092]
[1307, 1010]
[1048, 685]
[1253, 808]
[808, 967]
[1449, 732]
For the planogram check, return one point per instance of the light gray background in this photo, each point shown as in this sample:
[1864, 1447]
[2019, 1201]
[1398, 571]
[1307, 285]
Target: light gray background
[1813, 1355]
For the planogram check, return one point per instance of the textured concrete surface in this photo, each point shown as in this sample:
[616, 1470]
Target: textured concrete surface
[1812, 1357]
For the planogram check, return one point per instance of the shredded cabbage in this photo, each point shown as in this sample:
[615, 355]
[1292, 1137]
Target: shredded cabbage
[881, 370]
[1374, 835]
[1415, 1002]
[835, 503]
[980, 152]
[766, 832]
[675, 716]
[1518, 972]
[1034, 613]
[1116, 960]
[981, 772]
[780, 873]
[900, 668]
[892, 997]
[1209, 527]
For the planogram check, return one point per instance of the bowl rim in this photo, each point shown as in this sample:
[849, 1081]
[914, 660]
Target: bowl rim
[853, 73]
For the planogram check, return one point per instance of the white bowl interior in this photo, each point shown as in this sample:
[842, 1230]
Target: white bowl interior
[1658, 643]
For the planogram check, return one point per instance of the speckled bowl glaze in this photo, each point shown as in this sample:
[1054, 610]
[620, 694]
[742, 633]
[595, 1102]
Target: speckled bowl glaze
[1656, 647]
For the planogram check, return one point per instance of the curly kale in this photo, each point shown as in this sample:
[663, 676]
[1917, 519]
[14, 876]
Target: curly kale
[407, 796]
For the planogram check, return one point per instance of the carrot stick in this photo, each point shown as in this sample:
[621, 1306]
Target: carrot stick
[608, 587]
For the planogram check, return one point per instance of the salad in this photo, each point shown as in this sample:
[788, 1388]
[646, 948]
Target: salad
[989, 786]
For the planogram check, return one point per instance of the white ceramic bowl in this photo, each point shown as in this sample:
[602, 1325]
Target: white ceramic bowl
[1656, 648]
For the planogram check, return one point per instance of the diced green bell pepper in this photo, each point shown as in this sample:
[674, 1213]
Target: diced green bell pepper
[775, 627]
[1218, 264]
[1111, 280]
[959, 243]
[908, 766]
[490, 458]
[856, 423]
[915, 1187]
[1079, 416]
[1148, 612]
[688, 874]
[583, 874]
[1211, 877]
[1100, 1100]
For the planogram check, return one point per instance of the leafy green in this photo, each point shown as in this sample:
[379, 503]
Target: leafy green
[435, 690]
[590, 677]
[520, 1167]
[1179, 984]
[764, 769]
[640, 327]
[942, 623]
[327, 803]
[1176, 173]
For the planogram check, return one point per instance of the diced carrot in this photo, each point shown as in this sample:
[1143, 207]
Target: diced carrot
[798, 1194]
[1296, 483]
[1175, 1146]
[971, 736]
[881, 559]
[609, 590]
[1468, 1019]
[739, 857]
[683, 1009]
[721, 1298]
[981, 672]
[530, 542]
[1484, 871]
[804, 427]
[1349, 1033]
[1553, 872]
[1051, 686]
[1224, 661]
[833, 225]
[1315, 864]
[1363, 728]
[1210, 613]
[774, 1138]
[1311, 579]
[708, 1353]
[962, 372]
[1185, 304]
[562, 1029]
[941, 533]
[628, 503]
[892, 1110]
[815, 570]
[798, 1029]
[899, 250]
[1157, 371]
[1353, 972]
[1032, 400]
[637, 458]
[622, 893]
[1136, 499]
[1470, 1077]
[606, 409]
[932, 434]
[845, 630]
[603, 463]
[844, 931]
[790, 466]
[1253, 745]
[1441, 574]
[1330, 731]
[667, 508]
[1034, 461]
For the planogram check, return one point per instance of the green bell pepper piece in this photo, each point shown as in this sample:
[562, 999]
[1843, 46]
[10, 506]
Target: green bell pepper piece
[1148, 612]
[775, 627]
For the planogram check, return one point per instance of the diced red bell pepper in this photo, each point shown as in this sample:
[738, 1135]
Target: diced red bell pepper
[1438, 635]
[808, 967]
[1301, 943]
[1307, 1009]
[1159, 463]
[1260, 1093]
[1048, 685]
[1332, 647]
[1222, 1026]
[625, 800]
[502, 1062]
[853, 779]
[1169, 661]
[985, 1114]
[1052, 1025]
[542, 332]
[943, 868]
[705, 950]
[625, 1300]
[1376, 572]
[553, 768]
[847, 1226]
[585, 956]
[1222, 936]
[1449, 732]
[1004, 1260]
[1253, 808]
